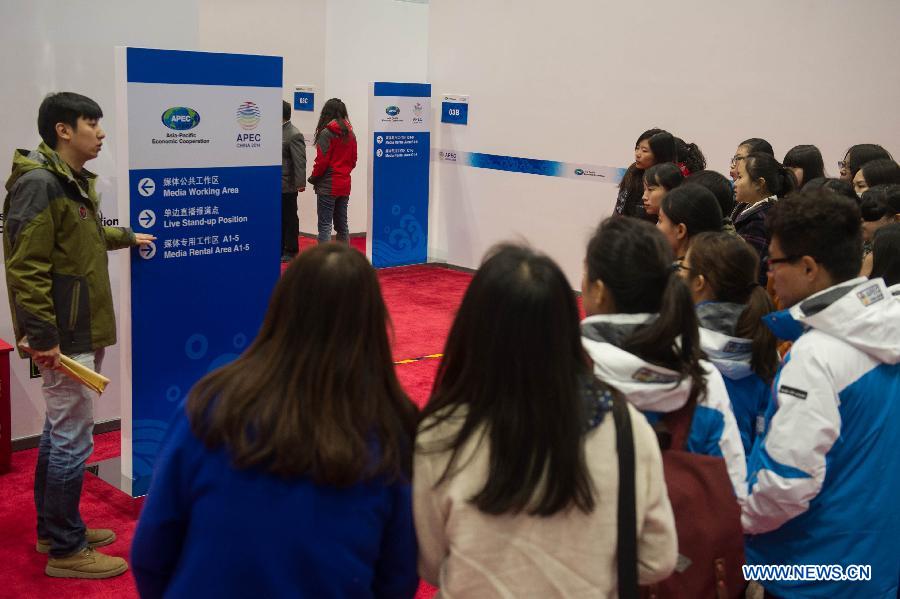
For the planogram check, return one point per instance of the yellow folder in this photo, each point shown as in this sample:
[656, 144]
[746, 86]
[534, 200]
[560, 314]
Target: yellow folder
[76, 371]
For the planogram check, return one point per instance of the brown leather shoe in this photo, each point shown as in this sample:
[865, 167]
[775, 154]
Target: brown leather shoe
[96, 537]
[87, 563]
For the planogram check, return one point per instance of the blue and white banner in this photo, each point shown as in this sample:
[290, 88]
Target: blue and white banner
[531, 166]
[399, 163]
[200, 168]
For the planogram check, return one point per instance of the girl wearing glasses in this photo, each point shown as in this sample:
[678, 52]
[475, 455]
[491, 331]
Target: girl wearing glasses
[857, 156]
[744, 149]
[721, 271]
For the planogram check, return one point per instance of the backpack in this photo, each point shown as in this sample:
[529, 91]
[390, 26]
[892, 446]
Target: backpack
[707, 518]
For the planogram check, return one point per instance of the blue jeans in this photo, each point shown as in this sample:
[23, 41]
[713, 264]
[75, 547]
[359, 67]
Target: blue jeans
[66, 444]
[333, 208]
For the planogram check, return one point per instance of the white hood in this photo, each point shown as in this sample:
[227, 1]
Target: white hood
[646, 386]
[859, 312]
[730, 355]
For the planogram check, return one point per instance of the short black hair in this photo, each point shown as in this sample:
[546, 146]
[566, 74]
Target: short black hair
[695, 206]
[64, 107]
[807, 157]
[886, 254]
[880, 201]
[285, 110]
[821, 224]
[838, 185]
[882, 171]
[719, 185]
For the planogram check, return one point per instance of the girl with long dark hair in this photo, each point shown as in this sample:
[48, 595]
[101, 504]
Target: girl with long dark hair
[641, 332]
[516, 451]
[806, 162]
[288, 472]
[335, 159]
[721, 271]
[654, 146]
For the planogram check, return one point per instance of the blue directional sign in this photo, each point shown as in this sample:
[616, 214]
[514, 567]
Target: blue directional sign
[146, 187]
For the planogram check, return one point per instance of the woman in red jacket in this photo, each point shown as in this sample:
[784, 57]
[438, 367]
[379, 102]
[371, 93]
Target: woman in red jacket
[335, 158]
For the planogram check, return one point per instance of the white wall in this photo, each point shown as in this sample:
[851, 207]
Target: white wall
[368, 40]
[47, 46]
[579, 81]
[294, 29]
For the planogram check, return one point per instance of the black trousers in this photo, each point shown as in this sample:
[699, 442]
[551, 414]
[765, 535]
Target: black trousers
[290, 224]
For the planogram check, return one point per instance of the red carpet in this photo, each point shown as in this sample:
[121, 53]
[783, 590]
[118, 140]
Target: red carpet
[422, 301]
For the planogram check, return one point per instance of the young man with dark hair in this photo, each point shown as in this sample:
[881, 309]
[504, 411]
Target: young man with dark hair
[56, 271]
[293, 181]
[824, 477]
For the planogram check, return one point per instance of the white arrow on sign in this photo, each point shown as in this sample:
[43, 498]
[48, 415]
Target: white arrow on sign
[147, 218]
[146, 187]
[147, 251]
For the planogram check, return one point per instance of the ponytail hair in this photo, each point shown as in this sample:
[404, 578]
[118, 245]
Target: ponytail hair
[635, 263]
[780, 181]
[730, 267]
[690, 155]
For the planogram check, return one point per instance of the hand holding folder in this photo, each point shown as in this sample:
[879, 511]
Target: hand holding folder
[74, 370]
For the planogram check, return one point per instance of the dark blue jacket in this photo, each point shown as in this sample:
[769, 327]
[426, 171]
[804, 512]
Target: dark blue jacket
[209, 530]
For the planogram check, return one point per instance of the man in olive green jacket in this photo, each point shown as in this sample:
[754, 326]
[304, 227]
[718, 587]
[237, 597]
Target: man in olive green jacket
[60, 299]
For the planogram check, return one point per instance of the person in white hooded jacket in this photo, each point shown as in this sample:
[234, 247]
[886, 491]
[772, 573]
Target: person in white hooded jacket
[825, 474]
[641, 333]
[721, 271]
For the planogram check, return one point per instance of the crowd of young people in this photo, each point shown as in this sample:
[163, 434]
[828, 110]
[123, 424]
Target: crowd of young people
[302, 468]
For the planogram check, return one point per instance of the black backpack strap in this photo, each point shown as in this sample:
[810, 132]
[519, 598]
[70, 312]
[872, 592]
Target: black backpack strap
[627, 516]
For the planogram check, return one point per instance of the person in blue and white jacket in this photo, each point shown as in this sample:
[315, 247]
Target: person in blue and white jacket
[641, 333]
[720, 270]
[825, 475]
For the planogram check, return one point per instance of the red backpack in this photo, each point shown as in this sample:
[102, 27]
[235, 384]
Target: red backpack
[707, 519]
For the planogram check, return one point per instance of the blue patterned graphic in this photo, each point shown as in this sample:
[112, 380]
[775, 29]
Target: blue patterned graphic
[400, 198]
[530, 166]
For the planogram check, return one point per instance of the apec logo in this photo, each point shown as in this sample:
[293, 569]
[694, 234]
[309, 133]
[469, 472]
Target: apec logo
[248, 116]
[392, 110]
[579, 171]
[181, 118]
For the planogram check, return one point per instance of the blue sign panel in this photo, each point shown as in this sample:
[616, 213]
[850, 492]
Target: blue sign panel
[400, 186]
[204, 177]
[304, 101]
[455, 113]
[200, 292]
